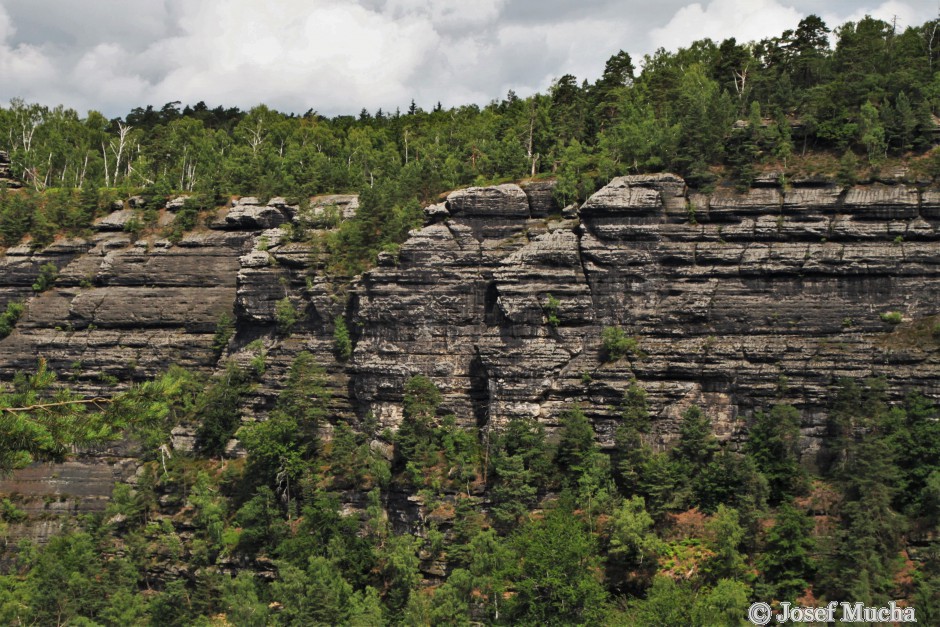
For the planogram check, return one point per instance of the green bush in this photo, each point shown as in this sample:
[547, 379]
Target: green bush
[48, 273]
[892, 317]
[224, 330]
[286, 315]
[259, 358]
[217, 410]
[342, 343]
[187, 217]
[9, 317]
[551, 310]
[617, 344]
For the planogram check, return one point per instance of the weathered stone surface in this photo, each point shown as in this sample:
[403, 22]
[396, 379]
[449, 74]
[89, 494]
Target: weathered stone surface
[176, 203]
[882, 202]
[114, 221]
[502, 201]
[119, 308]
[811, 200]
[436, 213]
[772, 286]
[347, 204]
[540, 195]
[6, 175]
[736, 301]
[249, 214]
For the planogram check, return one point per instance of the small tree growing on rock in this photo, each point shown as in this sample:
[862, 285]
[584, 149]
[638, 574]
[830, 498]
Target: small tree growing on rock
[286, 315]
[617, 344]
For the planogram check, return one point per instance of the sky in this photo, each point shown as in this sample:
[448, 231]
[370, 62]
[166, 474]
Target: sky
[339, 56]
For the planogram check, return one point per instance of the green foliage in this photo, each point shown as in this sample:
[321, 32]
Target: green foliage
[434, 453]
[9, 318]
[787, 563]
[557, 582]
[728, 562]
[576, 449]
[774, 441]
[420, 406]
[281, 448]
[242, 601]
[259, 356]
[187, 216]
[217, 410]
[521, 465]
[697, 443]
[285, 315]
[384, 217]
[39, 423]
[633, 544]
[69, 580]
[551, 310]
[873, 91]
[354, 463]
[224, 330]
[342, 343]
[872, 133]
[17, 211]
[867, 540]
[158, 406]
[48, 273]
[891, 317]
[616, 344]
[667, 603]
[315, 595]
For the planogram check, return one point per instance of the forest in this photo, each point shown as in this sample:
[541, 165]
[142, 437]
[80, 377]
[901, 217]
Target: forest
[536, 528]
[712, 113]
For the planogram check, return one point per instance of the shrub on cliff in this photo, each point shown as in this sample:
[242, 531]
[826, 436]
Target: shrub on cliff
[217, 410]
[286, 315]
[9, 317]
[48, 273]
[616, 344]
[224, 330]
[342, 343]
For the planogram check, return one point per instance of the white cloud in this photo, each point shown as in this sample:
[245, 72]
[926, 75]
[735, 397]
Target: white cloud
[337, 56]
[20, 65]
[745, 20]
[292, 54]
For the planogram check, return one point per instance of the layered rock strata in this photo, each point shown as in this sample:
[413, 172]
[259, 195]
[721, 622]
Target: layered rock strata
[735, 301]
[6, 175]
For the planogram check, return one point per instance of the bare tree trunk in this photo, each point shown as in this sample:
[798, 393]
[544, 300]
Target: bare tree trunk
[123, 131]
[81, 177]
[107, 176]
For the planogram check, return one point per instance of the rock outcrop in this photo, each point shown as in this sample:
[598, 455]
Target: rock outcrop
[6, 175]
[735, 300]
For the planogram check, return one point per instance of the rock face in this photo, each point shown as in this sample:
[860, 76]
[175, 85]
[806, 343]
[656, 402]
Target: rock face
[6, 176]
[736, 301]
[120, 308]
[124, 310]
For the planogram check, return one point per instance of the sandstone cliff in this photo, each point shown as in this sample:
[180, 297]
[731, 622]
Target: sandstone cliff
[736, 301]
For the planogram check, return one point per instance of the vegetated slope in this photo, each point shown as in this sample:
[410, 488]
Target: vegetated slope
[650, 316]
